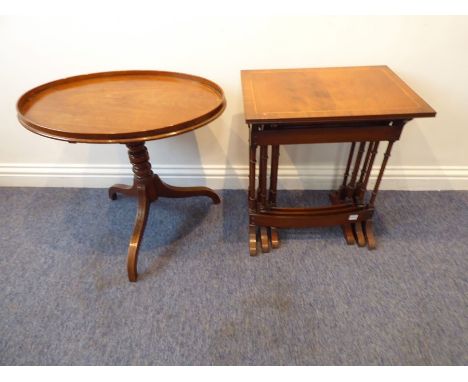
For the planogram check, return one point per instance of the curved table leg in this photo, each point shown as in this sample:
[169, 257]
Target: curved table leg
[121, 189]
[137, 235]
[147, 187]
[368, 227]
[168, 191]
[253, 240]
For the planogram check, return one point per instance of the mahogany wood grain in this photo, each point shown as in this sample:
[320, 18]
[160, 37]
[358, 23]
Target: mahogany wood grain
[252, 170]
[364, 105]
[263, 176]
[128, 107]
[338, 197]
[272, 231]
[359, 234]
[265, 219]
[357, 164]
[381, 172]
[148, 187]
[342, 190]
[329, 94]
[368, 228]
[122, 106]
[274, 237]
[138, 231]
[264, 239]
[253, 241]
[324, 133]
[273, 175]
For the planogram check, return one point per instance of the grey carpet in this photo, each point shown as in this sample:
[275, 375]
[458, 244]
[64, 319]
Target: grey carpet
[201, 299]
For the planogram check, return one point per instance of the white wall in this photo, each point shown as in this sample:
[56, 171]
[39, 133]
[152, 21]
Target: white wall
[428, 52]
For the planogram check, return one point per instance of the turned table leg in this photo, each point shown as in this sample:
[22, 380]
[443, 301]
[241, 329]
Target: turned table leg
[253, 229]
[274, 235]
[148, 187]
[339, 196]
[262, 195]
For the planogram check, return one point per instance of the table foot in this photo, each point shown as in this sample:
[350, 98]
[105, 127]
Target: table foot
[253, 240]
[264, 240]
[121, 189]
[268, 237]
[168, 191]
[137, 235]
[274, 236]
[347, 229]
[348, 234]
[359, 234]
[368, 228]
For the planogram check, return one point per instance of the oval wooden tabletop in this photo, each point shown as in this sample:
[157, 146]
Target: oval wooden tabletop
[124, 106]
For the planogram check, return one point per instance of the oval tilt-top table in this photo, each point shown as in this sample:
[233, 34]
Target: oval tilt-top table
[128, 107]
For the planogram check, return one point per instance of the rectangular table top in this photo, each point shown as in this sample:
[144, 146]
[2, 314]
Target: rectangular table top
[329, 94]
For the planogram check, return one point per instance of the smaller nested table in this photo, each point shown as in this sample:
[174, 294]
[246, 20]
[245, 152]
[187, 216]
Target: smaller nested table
[128, 107]
[361, 105]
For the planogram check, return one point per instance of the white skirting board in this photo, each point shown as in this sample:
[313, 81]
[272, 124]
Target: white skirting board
[410, 178]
